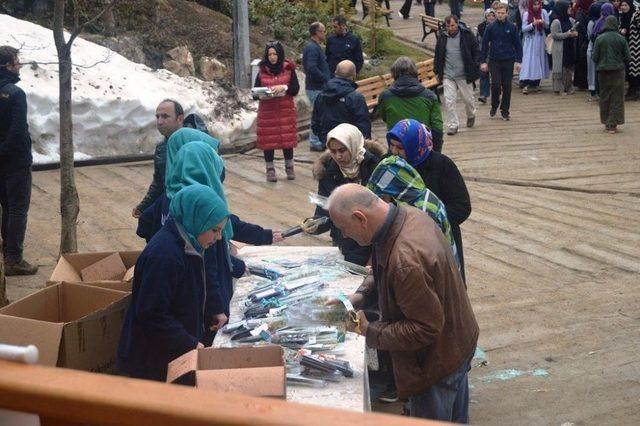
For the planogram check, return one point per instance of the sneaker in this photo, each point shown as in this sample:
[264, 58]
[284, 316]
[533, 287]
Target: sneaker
[505, 116]
[610, 129]
[316, 148]
[482, 99]
[20, 268]
[388, 396]
[525, 90]
[492, 113]
[452, 131]
[271, 175]
[291, 174]
[594, 98]
[402, 16]
[471, 121]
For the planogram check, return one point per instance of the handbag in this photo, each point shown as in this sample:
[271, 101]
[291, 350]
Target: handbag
[548, 44]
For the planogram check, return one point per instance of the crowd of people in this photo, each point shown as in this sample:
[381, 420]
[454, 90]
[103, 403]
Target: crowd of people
[396, 206]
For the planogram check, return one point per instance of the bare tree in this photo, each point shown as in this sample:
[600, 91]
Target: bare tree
[69, 201]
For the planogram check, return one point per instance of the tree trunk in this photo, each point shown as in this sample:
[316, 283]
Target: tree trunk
[3, 283]
[69, 201]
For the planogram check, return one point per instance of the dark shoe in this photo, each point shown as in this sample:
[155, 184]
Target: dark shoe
[471, 121]
[316, 148]
[452, 131]
[610, 129]
[505, 116]
[388, 396]
[271, 175]
[482, 99]
[291, 174]
[21, 268]
[492, 113]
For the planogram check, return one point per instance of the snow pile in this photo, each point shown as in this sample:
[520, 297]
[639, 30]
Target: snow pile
[114, 101]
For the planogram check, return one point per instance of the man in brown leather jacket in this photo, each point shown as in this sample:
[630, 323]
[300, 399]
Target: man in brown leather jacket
[427, 323]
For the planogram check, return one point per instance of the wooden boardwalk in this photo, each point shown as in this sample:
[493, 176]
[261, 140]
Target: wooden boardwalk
[552, 249]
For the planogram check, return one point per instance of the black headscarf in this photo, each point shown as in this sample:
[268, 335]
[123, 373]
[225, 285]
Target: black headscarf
[625, 18]
[277, 67]
[561, 12]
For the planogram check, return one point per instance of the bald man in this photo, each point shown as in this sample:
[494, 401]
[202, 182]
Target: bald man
[340, 103]
[427, 323]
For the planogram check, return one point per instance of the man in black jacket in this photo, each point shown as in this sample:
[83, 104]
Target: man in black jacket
[169, 118]
[457, 66]
[340, 103]
[343, 45]
[15, 164]
[316, 71]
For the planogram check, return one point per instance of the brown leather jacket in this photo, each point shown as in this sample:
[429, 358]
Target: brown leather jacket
[427, 323]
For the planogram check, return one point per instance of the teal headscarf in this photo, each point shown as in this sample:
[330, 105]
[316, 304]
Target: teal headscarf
[198, 163]
[180, 138]
[197, 208]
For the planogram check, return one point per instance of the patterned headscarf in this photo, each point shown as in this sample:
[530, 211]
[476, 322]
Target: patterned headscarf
[415, 139]
[352, 139]
[395, 178]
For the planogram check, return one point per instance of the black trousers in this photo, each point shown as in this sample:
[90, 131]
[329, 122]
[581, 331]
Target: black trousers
[501, 76]
[269, 154]
[15, 196]
[406, 8]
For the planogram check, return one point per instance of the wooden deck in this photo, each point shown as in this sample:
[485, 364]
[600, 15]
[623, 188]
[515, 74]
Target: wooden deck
[552, 249]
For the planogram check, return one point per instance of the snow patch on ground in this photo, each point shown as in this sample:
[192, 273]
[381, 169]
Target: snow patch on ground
[114, 100]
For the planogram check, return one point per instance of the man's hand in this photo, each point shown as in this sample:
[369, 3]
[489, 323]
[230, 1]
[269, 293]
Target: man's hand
[355, 299]
[218, 321]
[484, 67]
[277, 237]
[309, 229]
[363, 325]
[136, 213]
[517, 66]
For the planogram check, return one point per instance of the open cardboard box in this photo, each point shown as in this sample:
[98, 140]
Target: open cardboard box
[256, 371]
[73, 326]
[70, 268]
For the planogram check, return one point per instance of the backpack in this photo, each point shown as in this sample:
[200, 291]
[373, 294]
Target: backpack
[194, 121]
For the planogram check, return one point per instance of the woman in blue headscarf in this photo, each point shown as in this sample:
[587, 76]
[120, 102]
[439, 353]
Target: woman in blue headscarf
[166, 315]
[411, 140]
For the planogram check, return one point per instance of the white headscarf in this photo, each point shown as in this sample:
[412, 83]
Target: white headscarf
[352, 139]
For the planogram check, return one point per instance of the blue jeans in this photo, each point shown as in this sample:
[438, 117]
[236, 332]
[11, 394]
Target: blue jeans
[447, 400]
[430, 8]
[455, 7]
[485, 84]
[15, 196]
[313, 139]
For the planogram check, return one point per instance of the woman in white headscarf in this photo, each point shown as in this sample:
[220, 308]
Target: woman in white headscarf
[349, 158]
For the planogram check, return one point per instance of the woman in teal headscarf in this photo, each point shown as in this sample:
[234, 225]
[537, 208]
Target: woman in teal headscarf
[395, 180]
[180, 138]
[166, 315]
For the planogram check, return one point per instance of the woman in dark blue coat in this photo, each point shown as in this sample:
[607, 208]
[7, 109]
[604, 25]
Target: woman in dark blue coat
[166, 315]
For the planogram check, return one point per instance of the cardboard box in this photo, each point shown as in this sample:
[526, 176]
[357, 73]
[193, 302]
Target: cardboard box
[73, 326]
[256, 371]
[111, 268]
[71, 266]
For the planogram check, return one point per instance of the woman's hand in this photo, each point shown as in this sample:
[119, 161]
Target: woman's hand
[276, 237]
[279, 90]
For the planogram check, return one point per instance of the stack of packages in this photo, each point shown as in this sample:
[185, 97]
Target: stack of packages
[289, 306]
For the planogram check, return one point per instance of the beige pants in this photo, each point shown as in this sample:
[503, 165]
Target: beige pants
[451, 88]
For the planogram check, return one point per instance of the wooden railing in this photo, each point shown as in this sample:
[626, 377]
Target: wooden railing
[70, 397]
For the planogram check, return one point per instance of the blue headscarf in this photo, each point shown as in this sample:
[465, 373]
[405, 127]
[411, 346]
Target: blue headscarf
[197, 208]
[180, 138]
[415, 139]
[198, 163]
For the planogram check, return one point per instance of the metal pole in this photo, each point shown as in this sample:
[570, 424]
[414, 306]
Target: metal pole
[241, 51]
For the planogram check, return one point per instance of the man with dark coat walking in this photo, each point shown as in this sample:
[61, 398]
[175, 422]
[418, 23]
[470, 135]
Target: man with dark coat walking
[343, 45]
[457, 66]
[339, 103]
[15, 164]
[316, 71]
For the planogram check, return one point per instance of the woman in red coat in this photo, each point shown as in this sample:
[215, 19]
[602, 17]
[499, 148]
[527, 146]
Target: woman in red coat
[277, 112]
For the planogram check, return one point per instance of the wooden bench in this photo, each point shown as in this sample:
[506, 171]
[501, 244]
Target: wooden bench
[372, 87]
[379, 10]
[430, 25]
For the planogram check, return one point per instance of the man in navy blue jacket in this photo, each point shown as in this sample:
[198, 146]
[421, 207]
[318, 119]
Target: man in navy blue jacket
[317, 72]
[501, 43]
[343, 45]
[15, 164]
[339, 103]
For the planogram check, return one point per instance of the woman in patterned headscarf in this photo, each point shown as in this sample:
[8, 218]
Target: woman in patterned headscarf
[411, 140]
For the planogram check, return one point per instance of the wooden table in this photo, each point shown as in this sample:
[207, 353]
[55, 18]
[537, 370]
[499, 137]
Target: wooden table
[351, 393]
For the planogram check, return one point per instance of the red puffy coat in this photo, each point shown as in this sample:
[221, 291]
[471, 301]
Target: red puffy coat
[277, 116]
